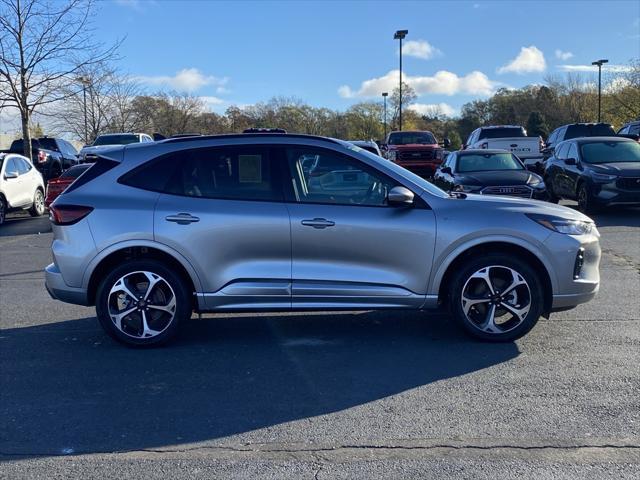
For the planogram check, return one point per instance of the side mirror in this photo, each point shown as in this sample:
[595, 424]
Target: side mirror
[8, 175]
[446, 170]
[400, 197]
[570, 161]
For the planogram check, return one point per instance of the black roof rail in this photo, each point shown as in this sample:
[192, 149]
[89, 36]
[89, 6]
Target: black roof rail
[245, 135]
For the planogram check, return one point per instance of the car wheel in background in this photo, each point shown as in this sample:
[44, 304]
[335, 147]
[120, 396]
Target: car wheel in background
[37, 209]
[585, 201]
[142, 302]
[551, 196]
[496, 298]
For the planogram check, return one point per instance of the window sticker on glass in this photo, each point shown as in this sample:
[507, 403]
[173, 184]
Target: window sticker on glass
[250, 168]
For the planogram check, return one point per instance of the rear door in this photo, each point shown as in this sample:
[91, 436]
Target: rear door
[223, 210]
[349, 248]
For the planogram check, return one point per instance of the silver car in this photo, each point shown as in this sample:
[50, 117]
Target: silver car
[151, 233]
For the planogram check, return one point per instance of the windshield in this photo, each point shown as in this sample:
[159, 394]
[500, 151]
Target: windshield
[408, 138]
[485, 162]
[610, 152]
[421, 182]
[502, 132]
[124, 139]
[597, 130]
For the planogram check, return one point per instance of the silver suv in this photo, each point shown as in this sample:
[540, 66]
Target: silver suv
[151, 233]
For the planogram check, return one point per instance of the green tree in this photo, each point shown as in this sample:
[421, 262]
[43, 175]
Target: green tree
[536, 125]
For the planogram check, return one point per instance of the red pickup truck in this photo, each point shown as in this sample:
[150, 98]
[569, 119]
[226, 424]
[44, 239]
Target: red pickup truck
[417, 151]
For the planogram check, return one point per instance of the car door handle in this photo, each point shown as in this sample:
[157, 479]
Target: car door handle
[182, 218]
[318, 223]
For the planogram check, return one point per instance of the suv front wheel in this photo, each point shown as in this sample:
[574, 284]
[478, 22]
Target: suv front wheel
[142, 302]
[496, 298]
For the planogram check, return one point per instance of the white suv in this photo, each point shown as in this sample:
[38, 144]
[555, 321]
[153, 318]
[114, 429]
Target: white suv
[21, 186]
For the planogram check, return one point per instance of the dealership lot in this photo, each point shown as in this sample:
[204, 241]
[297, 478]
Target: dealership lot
[348, 395]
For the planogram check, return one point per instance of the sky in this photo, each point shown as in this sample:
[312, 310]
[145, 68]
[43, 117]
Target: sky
[337, 53]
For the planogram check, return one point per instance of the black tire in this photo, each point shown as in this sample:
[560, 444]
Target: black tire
[37, 208]
[511, 329]
[585, 201]
[551, 196]
[178, 285]
[3, 209]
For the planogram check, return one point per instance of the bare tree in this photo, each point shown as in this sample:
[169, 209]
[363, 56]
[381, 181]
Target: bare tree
[44, 45]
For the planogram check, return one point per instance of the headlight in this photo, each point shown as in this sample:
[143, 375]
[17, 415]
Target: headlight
[468, 188]
[535, 182]
[602, 177]
[391, 155]
[563, 225]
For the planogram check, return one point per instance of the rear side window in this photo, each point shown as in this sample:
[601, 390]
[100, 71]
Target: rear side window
[102, 165]
[506, 132]
[233, 173]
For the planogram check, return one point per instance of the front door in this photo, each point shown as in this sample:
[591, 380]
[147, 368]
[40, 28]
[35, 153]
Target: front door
[223, 210]
[349, 248]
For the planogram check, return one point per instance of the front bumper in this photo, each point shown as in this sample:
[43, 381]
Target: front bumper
[610, 194]
[59, 290]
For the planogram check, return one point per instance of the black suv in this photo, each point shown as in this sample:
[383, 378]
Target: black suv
[576, 130]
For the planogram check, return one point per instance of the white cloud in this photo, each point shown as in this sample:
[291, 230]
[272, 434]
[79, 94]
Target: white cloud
[530, 59]
[594, 68]
[186, 80]
[442, 83]
[420, 49]
[560, 55]
[209, 100]
[434, 109]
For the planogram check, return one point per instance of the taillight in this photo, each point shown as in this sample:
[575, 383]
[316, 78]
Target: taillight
[484, 145]
[68, 214]
[42, 157]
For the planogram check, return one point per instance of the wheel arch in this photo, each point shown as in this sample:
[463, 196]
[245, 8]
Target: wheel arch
[459, 256]
[139, 251]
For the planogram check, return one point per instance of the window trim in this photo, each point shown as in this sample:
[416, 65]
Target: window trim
[288, 180]
[273, 159]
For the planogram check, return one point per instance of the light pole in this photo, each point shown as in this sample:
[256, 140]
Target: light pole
[399, 35]
[599, 63]
[384, 96]
[85, 81]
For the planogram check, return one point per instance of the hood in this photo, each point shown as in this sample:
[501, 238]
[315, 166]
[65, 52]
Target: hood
[524, 205]
[414, 146]
[624, 169]
[495, 178]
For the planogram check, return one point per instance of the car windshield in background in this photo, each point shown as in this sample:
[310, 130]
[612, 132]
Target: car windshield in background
[600, 130]
[486, 162]
[506, 132]
[48, 143]
[115, 140]
[408, 138]
[610, 152]
[75, 171]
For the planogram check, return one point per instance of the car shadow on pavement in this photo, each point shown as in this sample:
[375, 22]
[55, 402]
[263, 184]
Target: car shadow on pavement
[617, 217]
[21, 224]
[67, 388]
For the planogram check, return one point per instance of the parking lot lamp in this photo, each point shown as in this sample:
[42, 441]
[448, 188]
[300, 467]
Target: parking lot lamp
[599, 63]
[384, 96]
[399, 35]
[85, 81]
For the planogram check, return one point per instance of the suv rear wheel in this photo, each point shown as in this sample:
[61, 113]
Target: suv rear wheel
[141, 303]
[37, 208]
[496, 298]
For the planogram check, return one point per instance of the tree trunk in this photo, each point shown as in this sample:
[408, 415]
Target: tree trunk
[26, 134]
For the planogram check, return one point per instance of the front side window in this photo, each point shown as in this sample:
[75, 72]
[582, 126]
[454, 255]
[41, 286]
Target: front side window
[561, 151]
[610, 152]
[484, 162]
[11, 167]
[573, 152]
[234, 173]
[325, 176]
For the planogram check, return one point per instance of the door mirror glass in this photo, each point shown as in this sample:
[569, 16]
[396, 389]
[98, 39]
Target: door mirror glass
[9, 175]
[400, 196]
[570, 161]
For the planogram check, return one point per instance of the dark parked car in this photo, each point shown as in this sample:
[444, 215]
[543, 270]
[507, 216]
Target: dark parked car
[489, 172]
[631, 128]
[596, 171]
[51, 156]
[56, 186]
[576, 130]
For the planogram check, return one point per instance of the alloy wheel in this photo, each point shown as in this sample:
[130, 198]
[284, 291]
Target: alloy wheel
[496, 299]
[38, 202]
[142, 304]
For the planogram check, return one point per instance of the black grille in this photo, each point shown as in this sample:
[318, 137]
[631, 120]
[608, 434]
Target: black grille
[511, 191]
[417, 155]
[629, 183]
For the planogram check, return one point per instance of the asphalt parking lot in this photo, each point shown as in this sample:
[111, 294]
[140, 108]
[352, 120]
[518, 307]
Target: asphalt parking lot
[350, 395]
